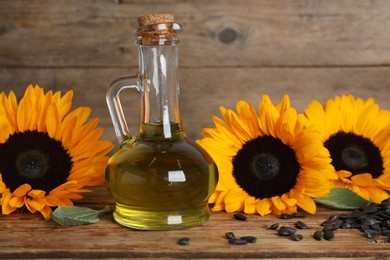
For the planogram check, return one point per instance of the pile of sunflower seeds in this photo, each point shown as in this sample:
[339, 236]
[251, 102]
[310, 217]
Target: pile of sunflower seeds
[373, 220]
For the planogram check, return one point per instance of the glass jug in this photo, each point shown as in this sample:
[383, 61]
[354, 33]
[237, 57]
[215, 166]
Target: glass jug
[159, 180]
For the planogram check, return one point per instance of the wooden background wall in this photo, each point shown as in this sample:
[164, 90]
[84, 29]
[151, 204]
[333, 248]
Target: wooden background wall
[230, 50]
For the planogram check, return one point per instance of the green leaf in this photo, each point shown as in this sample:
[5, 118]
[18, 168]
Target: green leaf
[75, 216]
[344, 199]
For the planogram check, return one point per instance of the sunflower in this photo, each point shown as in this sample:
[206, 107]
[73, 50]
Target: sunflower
[47, 155]
[357, 135]
[269, 163]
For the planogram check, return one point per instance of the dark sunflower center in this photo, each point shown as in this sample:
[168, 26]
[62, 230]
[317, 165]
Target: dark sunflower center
[354, 153]
[33, 157]
[266, 167]
[32, 164]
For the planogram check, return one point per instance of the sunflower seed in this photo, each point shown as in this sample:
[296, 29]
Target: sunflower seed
[274, 226]
[365, 227]
[286, 231]
[344, 216]
[386, 203]
[377, 217]
[385, 232]
[372, 233]
[332, 218]
[328, 235]
[285, 216]
[230, 235]
[346, 225]
[326, 223]
[298, 215]
[296, 237]
[249, 239]
[383, 215]
[236, 241]
[352, 221]
[369, 221]
[338, 223]
[375, 227]
[301, 225]
[370, 210]
[318, 235]
[183, 241]
[239, 216]
[330, 228]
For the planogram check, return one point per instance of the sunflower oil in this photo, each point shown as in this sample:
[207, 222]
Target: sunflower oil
[160, 184]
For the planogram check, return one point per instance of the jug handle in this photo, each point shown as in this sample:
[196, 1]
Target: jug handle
[115, 107]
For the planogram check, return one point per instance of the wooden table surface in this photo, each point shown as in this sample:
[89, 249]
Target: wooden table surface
[29, 236]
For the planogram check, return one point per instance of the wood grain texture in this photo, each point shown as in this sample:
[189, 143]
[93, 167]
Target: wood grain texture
[90, 33]
[203, 90]
[29, 236]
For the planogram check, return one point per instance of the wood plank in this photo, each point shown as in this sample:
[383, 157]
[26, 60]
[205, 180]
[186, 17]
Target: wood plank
[29, 236]
[204, 90]
[90, 33]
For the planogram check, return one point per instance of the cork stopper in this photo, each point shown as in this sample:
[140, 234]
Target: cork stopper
[155, 19]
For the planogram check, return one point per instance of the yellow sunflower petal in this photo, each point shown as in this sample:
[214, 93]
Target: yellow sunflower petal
[269, 115]
[5, 129]
[364, 179]
[366, 121]
[306, 203]
[3, 187]
[250, 205]
[212, 146]
[284, 104]
[67, 130]
[286, 126]
[234, 200]
[52, 121]
[377, 194]
[239, 128]
[34, 205]
[46, 212]
[332, 118]
[361, 191]
[344, 174]
[23, 115]
[45, 102]
[8, 108]
[65, 103]
[6, 208]
[289, 202]
[248, 115]
[16, 202]
[263, 207]
[278, 203]
[22, 190]
[219, 201]
[225, 130]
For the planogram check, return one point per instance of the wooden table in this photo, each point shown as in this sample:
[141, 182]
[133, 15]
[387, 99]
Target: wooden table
[29, 236]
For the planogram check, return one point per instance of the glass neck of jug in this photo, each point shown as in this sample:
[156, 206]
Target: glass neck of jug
[160, 114]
